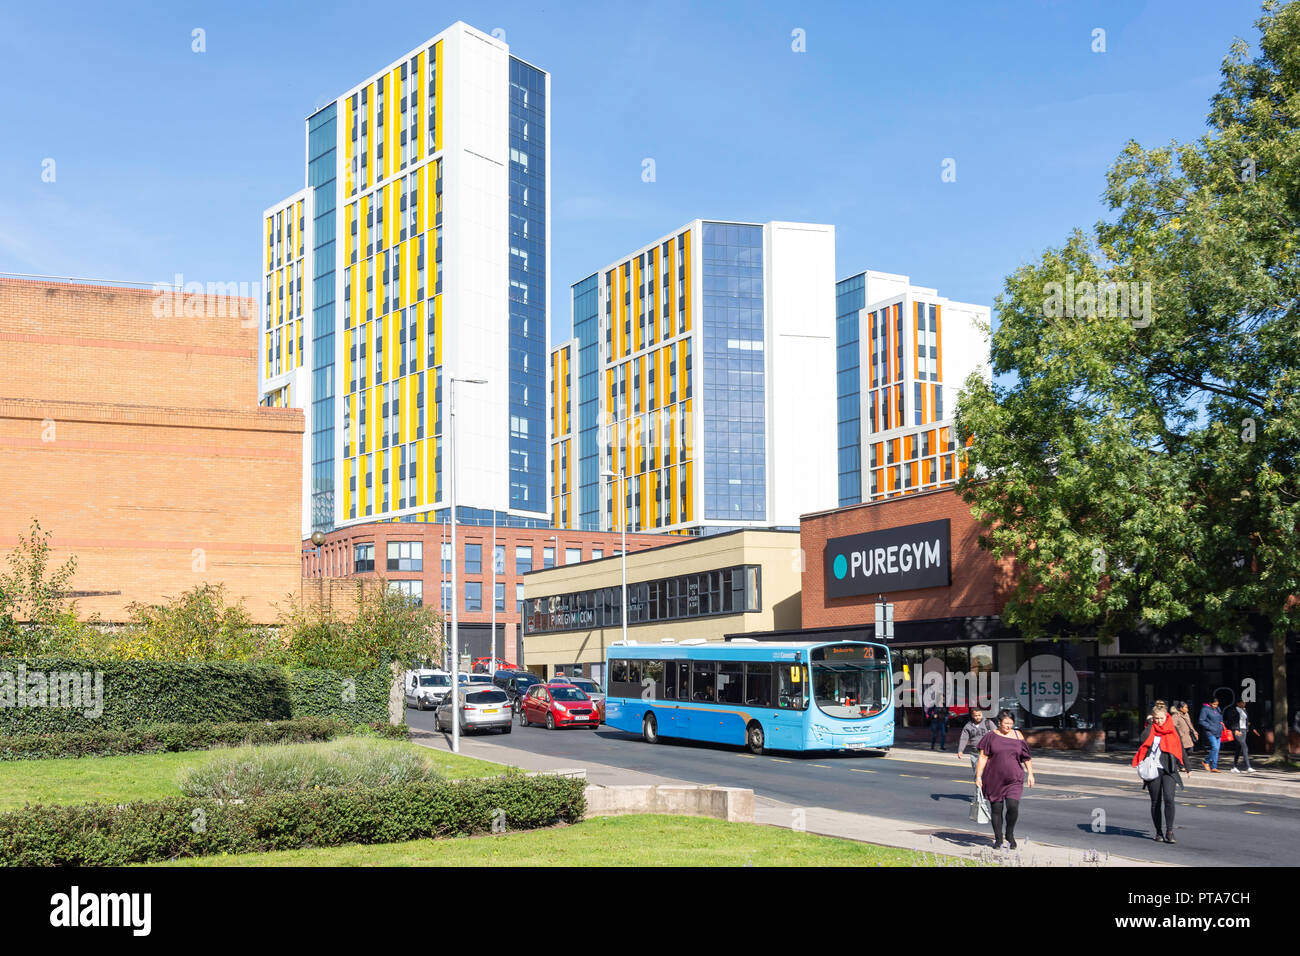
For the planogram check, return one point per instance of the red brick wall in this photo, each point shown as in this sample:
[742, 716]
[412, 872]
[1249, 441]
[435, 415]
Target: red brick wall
[137, 442]
[979, 583]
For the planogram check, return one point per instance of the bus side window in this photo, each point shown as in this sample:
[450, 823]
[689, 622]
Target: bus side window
[793, 686]
[670, 680]
[618, 672]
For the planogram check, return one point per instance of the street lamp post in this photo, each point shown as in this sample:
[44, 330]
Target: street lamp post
[451, 497]
[623, 481]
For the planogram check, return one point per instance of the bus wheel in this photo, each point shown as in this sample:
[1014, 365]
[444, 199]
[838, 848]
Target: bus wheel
[754, 737]
[650, 729]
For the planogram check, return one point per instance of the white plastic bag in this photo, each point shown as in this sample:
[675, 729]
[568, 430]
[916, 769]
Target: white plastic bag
[1149, 768]
[980, 811]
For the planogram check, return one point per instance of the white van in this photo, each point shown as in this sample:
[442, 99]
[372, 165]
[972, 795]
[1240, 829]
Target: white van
[426, 688]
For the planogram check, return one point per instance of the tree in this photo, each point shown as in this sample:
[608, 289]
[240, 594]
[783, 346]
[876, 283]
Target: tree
[34, 599]
[384, 627]
[1141, 466]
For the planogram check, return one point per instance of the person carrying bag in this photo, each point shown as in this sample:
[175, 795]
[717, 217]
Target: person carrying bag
[1158, 762]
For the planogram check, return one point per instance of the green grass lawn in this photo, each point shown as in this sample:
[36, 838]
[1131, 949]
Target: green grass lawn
[154, 776]
[642, 840]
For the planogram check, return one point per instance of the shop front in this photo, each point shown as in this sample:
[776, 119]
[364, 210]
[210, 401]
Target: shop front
[921, 554]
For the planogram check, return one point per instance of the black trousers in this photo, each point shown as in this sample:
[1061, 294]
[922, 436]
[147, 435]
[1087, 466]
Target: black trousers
[1162, 790]
[1012, 807]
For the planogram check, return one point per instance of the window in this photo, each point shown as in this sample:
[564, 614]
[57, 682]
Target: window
[597, 553]
[731, 682]
[473, 559]
[758, 685]
[704, 675]
[792, 684]
[572, 555]
[446, 558]
[548, 557]
[519, 598]
[405, 556]
[500, 595]
[499, 559]
[363, 558]
[523, 558]
[412, 589]
[473, 595]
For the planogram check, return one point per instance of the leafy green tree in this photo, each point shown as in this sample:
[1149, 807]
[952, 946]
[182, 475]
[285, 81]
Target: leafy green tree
[34, 601]
[1137, 453]
[385, 627]
[199, 625]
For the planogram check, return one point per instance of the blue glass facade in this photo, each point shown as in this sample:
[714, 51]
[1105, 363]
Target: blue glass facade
[527, 287]
[735, 455]
[586, 329]
[850, 298]
[322, 139]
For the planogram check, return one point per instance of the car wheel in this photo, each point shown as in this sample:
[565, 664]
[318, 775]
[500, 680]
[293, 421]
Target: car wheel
[650, 729]
[550, 721]
[523, 718]
[754, 737]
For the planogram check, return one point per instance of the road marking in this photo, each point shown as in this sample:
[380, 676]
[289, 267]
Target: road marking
[918, 776]
[860, 770]
[822, 765]
[749, 756]
[779, 760]
[962, 781]
[1255, 812]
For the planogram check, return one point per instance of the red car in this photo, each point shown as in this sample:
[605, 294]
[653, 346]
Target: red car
[557, 705]
[484, 666]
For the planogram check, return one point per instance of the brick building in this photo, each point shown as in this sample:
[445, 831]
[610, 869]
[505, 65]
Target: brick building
[921, 553]
[415, 557]
[130, 428]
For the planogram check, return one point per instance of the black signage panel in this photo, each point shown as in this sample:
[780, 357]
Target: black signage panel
[895, 559]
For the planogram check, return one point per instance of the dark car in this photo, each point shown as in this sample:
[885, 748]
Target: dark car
[515, 684]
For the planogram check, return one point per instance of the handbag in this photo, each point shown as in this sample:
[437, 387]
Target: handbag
[980, 811]
[1149, 768]
[1226, 735]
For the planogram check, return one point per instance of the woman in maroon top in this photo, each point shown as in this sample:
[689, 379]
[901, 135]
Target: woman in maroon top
[999, 773]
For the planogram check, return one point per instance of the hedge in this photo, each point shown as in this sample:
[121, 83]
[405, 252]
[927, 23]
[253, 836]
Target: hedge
[136, 692]
[160, 738]
[145, 832]
[358, 698]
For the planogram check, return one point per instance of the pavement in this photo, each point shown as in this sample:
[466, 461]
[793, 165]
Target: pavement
[945, 842]
[1117, 765]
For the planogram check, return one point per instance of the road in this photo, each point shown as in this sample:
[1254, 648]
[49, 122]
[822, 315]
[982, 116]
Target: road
[1231, 829]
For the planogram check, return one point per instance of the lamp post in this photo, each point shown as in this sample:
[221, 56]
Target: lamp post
[451, 498]
[623, 481]
[318, 539]
[492, 660]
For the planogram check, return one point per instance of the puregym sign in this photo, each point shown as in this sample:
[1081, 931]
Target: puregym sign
[896, 559]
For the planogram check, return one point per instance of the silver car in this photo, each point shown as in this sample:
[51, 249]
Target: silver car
[487, 708]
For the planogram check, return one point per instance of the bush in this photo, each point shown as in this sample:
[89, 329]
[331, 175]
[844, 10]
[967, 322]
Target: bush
[160, 738]
[103, 835]
[267, 770]
[135, 692]
[359, 697]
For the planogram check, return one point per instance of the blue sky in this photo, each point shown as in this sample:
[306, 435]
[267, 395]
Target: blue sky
[165, 158]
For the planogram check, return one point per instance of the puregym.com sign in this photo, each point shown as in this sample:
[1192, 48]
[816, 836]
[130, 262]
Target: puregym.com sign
[896, 559]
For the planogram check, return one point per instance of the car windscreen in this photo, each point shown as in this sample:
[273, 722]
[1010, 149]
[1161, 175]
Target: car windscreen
[567, 693]
[486, 697]
[526, 681]
[590, 686]
[435, 680]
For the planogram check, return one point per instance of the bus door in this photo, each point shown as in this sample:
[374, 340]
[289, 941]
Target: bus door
[792, 695]
[673, 698]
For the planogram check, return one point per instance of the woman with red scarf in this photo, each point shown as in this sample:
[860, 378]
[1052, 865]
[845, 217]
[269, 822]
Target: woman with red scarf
[1170, 758]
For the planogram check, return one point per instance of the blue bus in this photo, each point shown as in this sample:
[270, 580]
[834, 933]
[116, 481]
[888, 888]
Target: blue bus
[765, 696]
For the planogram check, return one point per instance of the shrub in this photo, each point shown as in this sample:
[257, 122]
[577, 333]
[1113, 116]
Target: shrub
[267, 770]
[356, 697]
[385, 626]
[103, 835]
[135, 692]
[159, 738]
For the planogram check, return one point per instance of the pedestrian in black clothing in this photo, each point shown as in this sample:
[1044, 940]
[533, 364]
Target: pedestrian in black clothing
[938, 717]
[1237, 721]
